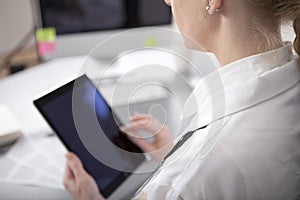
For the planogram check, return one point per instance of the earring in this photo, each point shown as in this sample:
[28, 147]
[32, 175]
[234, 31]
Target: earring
[208, 7]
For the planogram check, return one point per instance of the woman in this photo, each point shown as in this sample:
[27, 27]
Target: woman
[257, 152]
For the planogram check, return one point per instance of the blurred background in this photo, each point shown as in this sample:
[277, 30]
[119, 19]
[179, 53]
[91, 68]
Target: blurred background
[130, 49]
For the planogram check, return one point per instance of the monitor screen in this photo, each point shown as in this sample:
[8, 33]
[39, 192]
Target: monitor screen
[77, 16]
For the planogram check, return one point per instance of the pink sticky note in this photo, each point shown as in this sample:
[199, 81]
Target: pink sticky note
[46, 48]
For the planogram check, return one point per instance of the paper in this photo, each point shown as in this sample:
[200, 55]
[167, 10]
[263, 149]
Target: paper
[34, 160]
[46, 35]
[9, 128]
[45, 48]
[8, 122]
[46, 40]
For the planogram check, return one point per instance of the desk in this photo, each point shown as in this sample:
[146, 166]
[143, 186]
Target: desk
[17, 91]
[12, 192]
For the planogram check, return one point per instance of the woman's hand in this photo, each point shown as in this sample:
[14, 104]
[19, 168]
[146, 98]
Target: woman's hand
[160, 142]
[78, 182]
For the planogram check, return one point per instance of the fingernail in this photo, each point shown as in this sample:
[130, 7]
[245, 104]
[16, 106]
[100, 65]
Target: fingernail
[69, 157]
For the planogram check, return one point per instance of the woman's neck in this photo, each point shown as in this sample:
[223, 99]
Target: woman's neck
[234, 44]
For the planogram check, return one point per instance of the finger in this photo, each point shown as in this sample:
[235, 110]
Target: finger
[138, 131]
[133, 130]
[139, 116]
[144, 119]
[75, 166]
[69, 178]
[153, 126]
[68, 173]
[142, 143]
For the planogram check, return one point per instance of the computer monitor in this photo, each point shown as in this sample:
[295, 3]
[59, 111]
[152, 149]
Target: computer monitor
[83, 24]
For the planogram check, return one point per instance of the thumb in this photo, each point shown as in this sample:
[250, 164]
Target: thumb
[146, 122]
[75, 165]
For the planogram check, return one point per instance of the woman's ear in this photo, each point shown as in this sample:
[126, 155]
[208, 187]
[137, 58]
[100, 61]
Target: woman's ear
[214, 6]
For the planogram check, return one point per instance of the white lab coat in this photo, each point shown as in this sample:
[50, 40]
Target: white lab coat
[251, 148]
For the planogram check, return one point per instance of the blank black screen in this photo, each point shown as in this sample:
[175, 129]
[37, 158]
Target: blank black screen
[75, 16]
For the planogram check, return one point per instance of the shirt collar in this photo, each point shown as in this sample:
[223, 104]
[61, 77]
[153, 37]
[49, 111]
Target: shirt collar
[240, 84]
[253, 66]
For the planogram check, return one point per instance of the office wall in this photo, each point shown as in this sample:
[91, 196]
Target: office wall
[15, 21]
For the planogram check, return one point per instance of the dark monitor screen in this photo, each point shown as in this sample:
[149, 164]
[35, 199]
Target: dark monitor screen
[76, 16]
[57, 107]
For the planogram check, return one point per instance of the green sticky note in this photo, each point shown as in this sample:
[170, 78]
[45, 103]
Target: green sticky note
[46, 34]
[150, 42]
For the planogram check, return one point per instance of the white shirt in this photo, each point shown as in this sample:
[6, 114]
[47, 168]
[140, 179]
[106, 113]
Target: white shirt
[251, 147]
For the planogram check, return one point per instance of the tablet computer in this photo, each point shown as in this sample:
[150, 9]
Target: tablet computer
[91, 141]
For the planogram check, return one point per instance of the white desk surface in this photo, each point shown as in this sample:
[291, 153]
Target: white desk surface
[17, 91]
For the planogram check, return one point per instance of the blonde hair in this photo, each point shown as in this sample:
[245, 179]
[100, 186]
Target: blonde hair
[268, 15]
